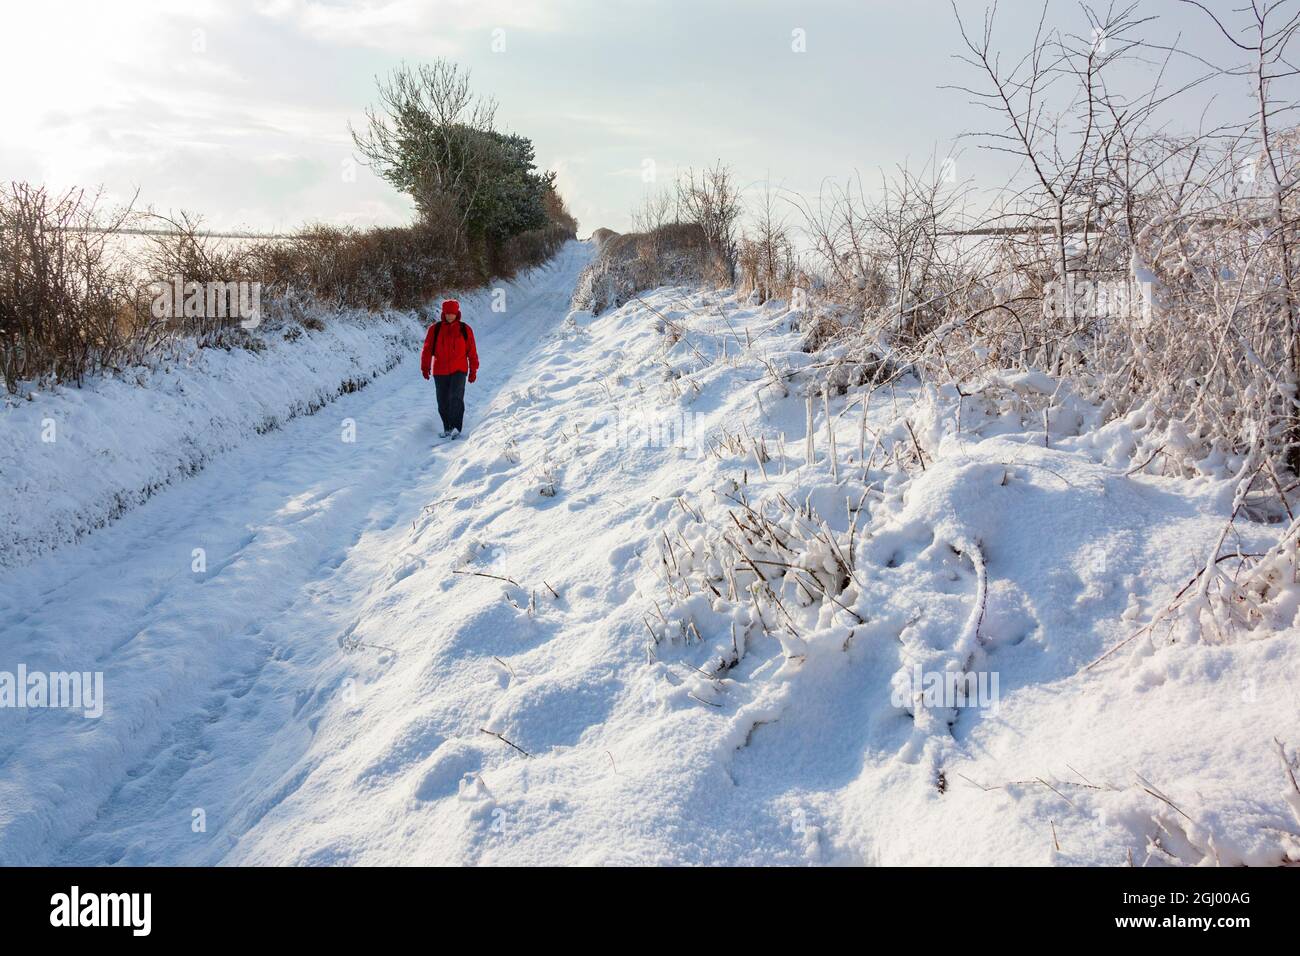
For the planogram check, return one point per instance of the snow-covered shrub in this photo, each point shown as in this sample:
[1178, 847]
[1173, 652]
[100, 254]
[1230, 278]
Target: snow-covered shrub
[673, 254]
[1158, 281]
[769, 565]
[68, 306]
[1143, 300]
[1235, 593]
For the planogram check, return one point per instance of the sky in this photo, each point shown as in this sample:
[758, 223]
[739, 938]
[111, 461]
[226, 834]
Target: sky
[239, 110]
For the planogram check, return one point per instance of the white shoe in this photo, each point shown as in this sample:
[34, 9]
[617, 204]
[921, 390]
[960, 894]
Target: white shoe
[444, 434]
[455, 433]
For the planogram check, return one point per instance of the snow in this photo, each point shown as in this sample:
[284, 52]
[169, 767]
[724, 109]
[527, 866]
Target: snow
[74, 459]
[543, 643]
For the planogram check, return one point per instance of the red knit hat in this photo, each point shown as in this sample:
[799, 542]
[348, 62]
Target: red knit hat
[450, 307]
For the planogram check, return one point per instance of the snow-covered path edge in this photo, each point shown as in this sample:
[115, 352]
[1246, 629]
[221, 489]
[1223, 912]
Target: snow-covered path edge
[73, 460]
[213, 597]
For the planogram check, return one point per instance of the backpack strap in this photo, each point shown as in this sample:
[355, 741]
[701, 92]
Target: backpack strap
[437, 330]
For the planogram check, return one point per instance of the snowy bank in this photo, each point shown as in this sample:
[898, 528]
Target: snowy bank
[636, 618]
[75, 459]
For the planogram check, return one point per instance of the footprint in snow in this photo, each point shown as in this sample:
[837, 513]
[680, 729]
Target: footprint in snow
[451, 764]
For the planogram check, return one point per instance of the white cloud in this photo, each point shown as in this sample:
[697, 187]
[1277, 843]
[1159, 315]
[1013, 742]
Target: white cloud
[239, 109]
[411, 27]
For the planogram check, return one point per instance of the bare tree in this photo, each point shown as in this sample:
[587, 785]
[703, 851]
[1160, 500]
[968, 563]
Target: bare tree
[767, 255]
[709, 198]
[1059, 145]
[1266, 37]
[656, 211]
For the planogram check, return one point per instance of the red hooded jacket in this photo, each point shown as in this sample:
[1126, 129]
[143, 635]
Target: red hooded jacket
[455, 352]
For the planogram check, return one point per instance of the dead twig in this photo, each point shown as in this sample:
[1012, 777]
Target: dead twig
[495, 577]
[502, 738]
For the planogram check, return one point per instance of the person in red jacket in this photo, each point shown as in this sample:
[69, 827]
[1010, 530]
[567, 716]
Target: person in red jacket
[450, 354]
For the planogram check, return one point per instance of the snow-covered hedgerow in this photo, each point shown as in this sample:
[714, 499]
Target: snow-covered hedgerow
[1159, 282]
[673, 253]
[74, 459]
[940, 604]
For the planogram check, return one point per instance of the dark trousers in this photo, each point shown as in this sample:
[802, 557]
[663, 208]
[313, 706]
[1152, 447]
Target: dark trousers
[451, 399]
